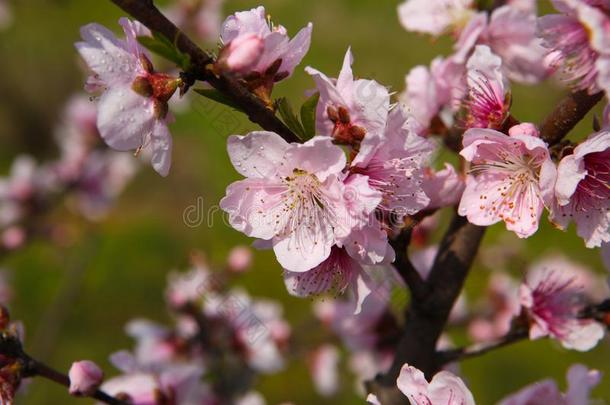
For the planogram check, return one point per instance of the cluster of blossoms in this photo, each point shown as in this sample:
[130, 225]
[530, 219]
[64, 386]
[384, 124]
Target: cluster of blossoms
[329, 206]
[88, 177]
[221, 339]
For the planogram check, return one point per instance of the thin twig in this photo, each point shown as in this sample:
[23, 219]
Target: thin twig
[479, 349]
[10, 348]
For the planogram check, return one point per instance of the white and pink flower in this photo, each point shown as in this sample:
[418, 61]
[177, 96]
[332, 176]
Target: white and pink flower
[488, 94]
[132, 110]
[444, 388]
[260, 52]
[583, 190]
[511, 178]
[294, 196]
[350, 109]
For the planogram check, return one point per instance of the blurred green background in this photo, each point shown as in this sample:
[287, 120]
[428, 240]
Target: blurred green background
[75, 299]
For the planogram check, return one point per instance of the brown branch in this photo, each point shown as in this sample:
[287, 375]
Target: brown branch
[10, 348]
[405, 268]
[426, 318]
[146, 12]
[567, 114]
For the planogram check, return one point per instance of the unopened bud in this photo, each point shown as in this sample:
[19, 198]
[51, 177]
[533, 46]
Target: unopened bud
[241, 54]
[85, 377]
[240, 259]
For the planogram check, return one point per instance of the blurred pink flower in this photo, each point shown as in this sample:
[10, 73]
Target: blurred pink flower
[444, 388]
[435, 17]
[323, 367]
[85, 377]
[580, 382]
[511, 178]
[132, 110]
[349, 109]
[510, 32]
[578, 43]
[239, 259]
[553, 298]
[434, 92]
[498, 308]
[201, 16]
[583, 190]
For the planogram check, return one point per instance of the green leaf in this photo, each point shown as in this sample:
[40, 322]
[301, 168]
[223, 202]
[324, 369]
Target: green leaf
[217, 96]
[162, 46]
[308, 115]
[288, 116]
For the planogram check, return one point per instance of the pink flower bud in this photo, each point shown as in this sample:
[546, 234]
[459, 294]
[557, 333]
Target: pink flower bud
[242, 53]
[85, 377]
[240, 259]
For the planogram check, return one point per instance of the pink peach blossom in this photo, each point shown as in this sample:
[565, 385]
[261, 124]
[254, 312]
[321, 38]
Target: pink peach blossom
[394, 165]
[444, 388]
[293, 195]
[578, 43]
[553, 299]
[350, 109]
[276, 44]
[488, 94]
[132, 110]
[241, 54]
[511, 178]
[583, 190]
[444, 188]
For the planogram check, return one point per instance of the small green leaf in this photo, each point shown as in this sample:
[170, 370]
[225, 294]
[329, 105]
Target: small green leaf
[288, 116]
[217, 96]
[162, 46]
[308, 115]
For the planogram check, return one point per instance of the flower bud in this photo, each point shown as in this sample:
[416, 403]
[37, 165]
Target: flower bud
[240, 259]
[85, 377]
[242, 53]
